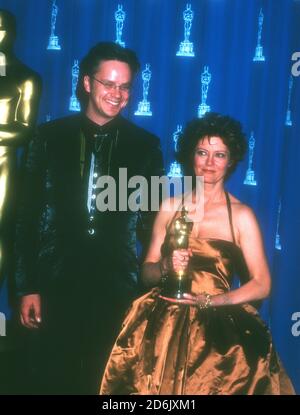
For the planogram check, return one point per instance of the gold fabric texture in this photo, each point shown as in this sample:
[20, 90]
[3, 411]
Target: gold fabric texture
[166, 349]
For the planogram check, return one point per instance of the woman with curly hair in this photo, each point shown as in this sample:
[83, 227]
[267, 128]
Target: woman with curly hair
[211, 341]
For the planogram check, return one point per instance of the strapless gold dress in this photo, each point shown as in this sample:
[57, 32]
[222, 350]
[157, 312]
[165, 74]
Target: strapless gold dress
[170, 349]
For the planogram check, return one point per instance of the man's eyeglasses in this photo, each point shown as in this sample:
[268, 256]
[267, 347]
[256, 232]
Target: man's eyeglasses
[111, 86]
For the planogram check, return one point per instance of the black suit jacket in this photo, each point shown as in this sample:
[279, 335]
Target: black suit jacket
[53, 250]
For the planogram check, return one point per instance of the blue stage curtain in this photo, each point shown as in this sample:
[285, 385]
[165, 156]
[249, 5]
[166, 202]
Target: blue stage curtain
[224, 34]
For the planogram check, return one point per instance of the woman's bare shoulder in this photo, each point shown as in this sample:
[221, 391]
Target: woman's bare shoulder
[241, 212]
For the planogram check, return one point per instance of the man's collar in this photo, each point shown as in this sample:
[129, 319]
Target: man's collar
[91, 128]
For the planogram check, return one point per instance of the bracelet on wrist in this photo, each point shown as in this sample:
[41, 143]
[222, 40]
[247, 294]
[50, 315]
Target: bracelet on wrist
[206, 303]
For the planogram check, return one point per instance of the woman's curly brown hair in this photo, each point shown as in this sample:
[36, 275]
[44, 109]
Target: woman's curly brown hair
[211, 125]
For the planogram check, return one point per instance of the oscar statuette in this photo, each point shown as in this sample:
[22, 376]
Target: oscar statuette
[179, 283]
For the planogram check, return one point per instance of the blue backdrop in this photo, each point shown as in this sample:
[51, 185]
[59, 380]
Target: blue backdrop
[224, 35]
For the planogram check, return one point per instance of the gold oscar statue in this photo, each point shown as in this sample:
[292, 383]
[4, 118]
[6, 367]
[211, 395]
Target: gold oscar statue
[20, 90]
[179, 283]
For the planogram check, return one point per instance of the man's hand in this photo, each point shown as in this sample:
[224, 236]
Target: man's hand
[30, 311]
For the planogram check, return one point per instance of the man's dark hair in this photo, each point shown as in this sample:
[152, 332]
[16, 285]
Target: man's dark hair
[211, 125]
[103, 51]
